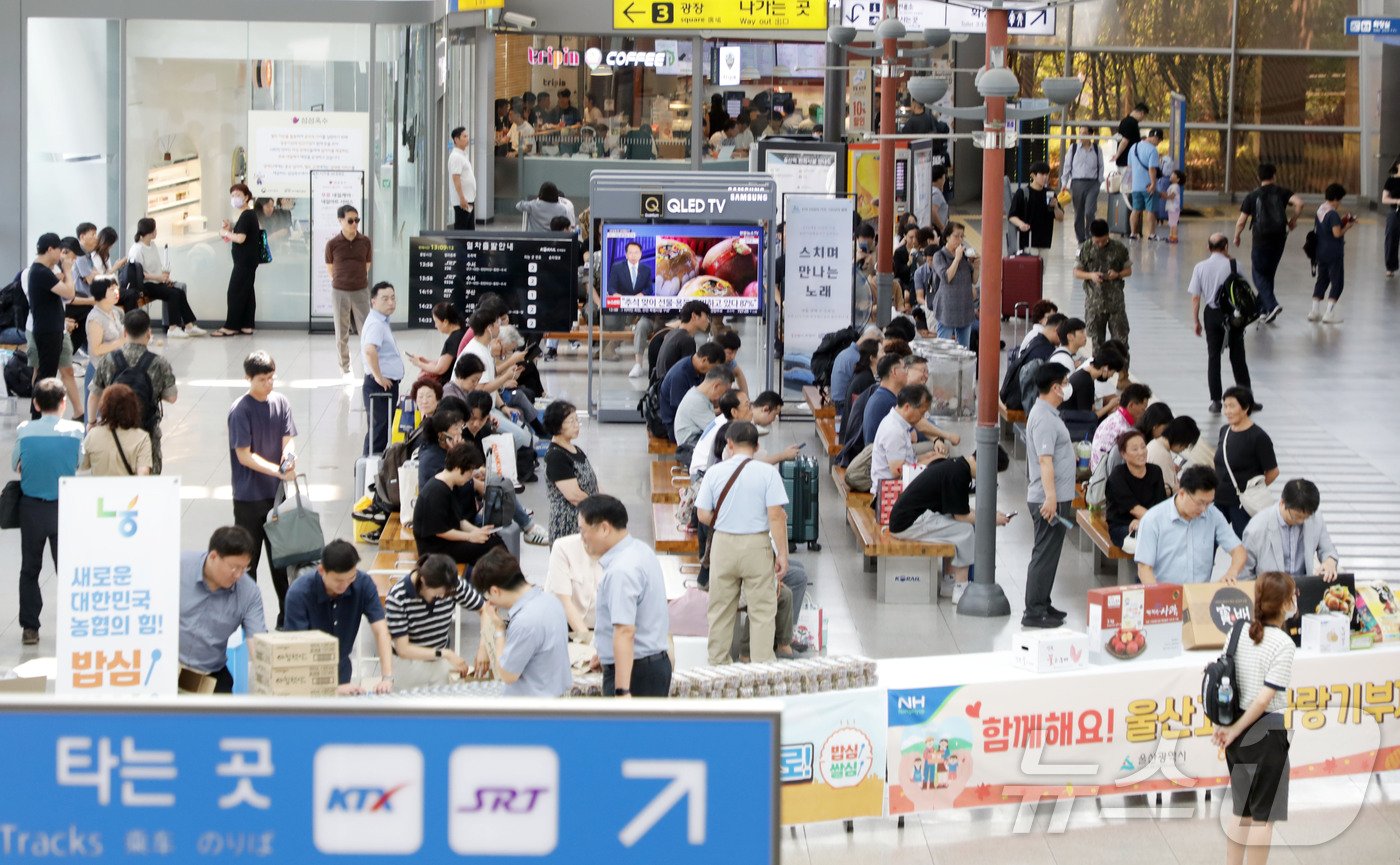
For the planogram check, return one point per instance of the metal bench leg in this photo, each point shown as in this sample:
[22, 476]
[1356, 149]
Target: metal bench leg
[1127, 572]
[1102, 565]
[870, 564]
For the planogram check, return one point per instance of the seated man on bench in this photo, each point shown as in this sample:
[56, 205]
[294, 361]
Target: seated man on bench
[934, 508]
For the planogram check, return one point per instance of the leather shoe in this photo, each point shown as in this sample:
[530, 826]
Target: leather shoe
[30, 637]
[1041, 622]
[1215, 406]
[1055, 613]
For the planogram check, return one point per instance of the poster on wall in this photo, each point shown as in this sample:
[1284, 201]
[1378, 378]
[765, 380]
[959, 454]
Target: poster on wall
[863, 177]
[801, 170]
[832, 762]
[284, 147]
[118, 587]
[818, 276]
[921, 181]
[330, 190]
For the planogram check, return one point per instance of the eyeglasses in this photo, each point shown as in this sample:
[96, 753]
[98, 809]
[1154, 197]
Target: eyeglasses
[355, 221]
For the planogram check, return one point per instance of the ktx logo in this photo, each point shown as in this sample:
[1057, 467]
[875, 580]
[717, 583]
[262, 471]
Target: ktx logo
[504, 800]
[363, 800]
[508, 800]
[369, 799]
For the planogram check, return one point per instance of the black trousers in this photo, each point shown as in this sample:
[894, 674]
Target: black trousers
[38, 525]
[377, 434]
[79, 314]
[1392, 240]
[1218, 333]
[49, 347]
[223, 679]
[651, 677]
[463, 219]
[251, 515]
[462, 552]
[242, 299]
[176, 300]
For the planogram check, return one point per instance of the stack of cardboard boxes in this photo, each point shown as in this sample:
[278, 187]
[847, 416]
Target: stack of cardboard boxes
[295, 664]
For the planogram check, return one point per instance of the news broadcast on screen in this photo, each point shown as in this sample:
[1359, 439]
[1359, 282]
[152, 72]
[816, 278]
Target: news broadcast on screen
[657, 268]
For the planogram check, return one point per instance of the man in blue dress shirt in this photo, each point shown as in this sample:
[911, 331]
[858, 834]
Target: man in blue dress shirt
[217, 597]
[383, 366]
[332, 598]
[1177, 538]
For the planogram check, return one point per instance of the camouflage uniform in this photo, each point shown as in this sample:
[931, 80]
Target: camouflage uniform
[1103, 303]
[162, 385]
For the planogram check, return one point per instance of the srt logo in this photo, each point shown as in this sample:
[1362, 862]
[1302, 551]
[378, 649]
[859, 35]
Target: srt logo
[507, 799]
[366, 800]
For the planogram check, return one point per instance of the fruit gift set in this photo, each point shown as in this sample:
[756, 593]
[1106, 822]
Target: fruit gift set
[1128, 623]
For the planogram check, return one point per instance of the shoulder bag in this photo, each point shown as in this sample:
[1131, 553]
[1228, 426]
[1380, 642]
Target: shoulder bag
[719, 503]
[122, 453]
[1256, 495]
[294, 534]
[9, 505]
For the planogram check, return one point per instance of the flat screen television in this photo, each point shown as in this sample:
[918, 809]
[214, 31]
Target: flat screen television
[719, 264]
[802, 59]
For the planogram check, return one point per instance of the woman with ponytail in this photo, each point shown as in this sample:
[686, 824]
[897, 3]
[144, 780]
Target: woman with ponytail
[1256, 746]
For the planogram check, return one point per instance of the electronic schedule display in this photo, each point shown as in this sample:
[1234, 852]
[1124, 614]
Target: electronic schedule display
[536, 274]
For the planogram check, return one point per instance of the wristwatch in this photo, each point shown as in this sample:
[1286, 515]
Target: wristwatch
[437, 653]
[621, 692]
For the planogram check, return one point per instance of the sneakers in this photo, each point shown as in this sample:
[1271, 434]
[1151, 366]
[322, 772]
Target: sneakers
[536, 535]
[1316, 312]
[959, 589]
[372, 514]
[1273, 314]
[195, 330]
[1215, 406]
[945, 586]
[176, 333]
[1040, 622]
[1332, 317]
[636, 371]
[551, 355]
[30, 637]
[1055, 613]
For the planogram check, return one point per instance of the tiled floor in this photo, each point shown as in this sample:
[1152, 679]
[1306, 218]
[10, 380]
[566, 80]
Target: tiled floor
[1328, 392]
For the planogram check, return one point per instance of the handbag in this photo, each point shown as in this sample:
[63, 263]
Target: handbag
[1130, 543]
[266, 257]
[122, 453]
[293, 533]
[9, 505]
[724, 493]
[1256, 495]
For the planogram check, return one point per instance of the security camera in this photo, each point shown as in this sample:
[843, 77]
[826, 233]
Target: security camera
[519, 21]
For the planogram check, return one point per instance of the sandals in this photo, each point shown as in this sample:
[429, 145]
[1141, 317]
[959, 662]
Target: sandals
[223, 332]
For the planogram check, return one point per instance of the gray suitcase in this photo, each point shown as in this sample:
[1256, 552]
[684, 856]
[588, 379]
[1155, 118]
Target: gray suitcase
[367, 467]
[1118, 213]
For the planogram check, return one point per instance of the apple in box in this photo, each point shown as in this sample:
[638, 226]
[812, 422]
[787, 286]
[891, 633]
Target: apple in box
[1049, 651]
[1131, 622]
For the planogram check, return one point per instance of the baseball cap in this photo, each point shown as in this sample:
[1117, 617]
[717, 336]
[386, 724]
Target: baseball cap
[48, 240]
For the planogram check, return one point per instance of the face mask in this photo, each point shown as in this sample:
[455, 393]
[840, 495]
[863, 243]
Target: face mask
[236, 202]
[1068, 390]
[863, 246]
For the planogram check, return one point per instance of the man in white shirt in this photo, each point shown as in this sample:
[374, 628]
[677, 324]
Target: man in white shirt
[894, 439]
[1083, 170]
[486, 325]
[1207, 280]
[735, 405]
[461, 183]
[522, 135]
[743, 501]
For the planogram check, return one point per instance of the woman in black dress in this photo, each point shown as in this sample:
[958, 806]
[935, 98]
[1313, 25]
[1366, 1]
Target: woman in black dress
[245, 239]
[568, 473]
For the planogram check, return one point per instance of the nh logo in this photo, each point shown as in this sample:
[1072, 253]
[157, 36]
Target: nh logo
[911, 704]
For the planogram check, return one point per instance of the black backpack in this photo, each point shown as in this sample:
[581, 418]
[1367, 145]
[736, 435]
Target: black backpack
[138, 378]
[1216, 673]
[386, 482]
[19, 375]
[1011, 385]
[1238, 300]
[1310, 249]
[824, 358]
[1271, 213]
[649, 407]
[14, 306]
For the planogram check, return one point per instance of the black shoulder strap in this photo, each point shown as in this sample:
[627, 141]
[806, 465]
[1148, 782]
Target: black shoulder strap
[148, 357]
[1235, 632]
[119, 361]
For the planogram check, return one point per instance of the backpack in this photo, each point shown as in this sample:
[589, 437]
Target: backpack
[1217, 672]
[1238, 300]
[1011, 385]
[14, 306]
[649, 407]
[824, 358]
[498, 504]
[1026, 381]
[19, 376]
[1310, 249]
[386, 482]
[138, 378]
[1271, 213]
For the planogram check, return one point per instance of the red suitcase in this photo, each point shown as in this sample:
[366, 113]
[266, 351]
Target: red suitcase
[1022, 279]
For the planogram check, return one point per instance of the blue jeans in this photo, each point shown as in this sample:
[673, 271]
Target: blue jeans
[1264, 259]
[962, 334]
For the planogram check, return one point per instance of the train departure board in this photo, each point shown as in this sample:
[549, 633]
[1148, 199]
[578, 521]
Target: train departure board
[536, 274]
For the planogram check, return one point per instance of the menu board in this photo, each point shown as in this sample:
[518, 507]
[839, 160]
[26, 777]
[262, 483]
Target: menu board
[536, 274]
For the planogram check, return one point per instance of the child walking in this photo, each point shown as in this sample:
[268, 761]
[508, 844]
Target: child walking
[1174, 193]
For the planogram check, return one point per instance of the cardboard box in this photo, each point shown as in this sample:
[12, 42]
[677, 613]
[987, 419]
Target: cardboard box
[1131, 622]
[1326, 632]
[316, 680]
[1315, 596]
[24, 685]
[1051, 651]
[193, 682]
[1378, 612]
[1212, 610]
[276, 649]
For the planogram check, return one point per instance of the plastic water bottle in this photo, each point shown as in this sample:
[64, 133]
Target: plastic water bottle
[1225, 696]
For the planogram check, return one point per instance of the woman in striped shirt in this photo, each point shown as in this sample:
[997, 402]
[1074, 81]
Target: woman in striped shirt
[419, 610]
[1256, 746]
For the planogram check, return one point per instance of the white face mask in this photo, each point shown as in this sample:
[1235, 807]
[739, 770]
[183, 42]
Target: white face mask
[236, 202]
[1068, 390]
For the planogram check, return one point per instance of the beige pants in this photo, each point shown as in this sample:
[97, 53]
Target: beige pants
[351, 307]
[420, 674]
[742, 562]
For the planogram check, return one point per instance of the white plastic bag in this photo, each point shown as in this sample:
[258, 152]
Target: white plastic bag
[500, 457]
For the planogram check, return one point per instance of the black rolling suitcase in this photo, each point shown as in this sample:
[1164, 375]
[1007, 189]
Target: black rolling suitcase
[803, 510]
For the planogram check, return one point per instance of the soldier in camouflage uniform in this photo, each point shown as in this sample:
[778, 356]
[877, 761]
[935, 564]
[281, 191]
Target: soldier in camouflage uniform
[1103, 264]
[138, 336]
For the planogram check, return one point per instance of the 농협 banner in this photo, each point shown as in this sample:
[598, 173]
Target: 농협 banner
[832, 762]
[284, 147]
[819, 271]
[118, 586]
[801, 171]
[330, 190]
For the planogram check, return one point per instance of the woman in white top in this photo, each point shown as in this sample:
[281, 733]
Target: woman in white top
[106, 333]
[159, 286]
[1256, 746]
[1180, 435]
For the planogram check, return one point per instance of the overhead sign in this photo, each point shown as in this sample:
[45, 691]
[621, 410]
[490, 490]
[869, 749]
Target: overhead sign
[1026, 19]
[1358, 26]
[536, 274]
[719, 14]
[595, 57]
[118, 586]
[388, 779]
[474, 5]
[740, 203]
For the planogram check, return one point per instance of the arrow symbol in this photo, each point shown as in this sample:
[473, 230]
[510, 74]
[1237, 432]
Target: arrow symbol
[687, 778]
[630, 13]
[852, 15]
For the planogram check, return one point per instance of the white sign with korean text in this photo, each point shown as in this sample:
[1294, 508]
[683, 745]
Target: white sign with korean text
[796, 171]
[330, 190]
[817, 281]
[1026, 19]
[118, 586]
[284, 147]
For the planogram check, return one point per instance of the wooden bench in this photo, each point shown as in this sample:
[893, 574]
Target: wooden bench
[581, 335]
[397, 537]
[1095, 528]
[898, 578]
[1081, 495]
[659, 446]
[826, 433]
[667, 481]
[1013, 425]
[820, 406]
[853, 499]
[670, 538]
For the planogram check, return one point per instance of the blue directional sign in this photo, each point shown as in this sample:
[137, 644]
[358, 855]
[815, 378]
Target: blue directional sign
[391, 781]
[1367, 26]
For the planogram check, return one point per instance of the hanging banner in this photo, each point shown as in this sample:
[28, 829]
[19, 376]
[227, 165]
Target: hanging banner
[858, 97]
[819, 271]
[118, 586]
[832, 762]
[330, 191]
[801, 170]
[284, 147]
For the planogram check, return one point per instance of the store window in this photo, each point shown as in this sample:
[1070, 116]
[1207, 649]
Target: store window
[765, 88]
[400, 153]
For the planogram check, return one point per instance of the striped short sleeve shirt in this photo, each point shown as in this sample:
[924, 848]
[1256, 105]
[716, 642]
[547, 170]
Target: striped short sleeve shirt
[425, 623]
[1268, 663]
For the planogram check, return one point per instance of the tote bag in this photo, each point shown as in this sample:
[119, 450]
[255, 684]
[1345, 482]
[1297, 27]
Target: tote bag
[293, 529]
